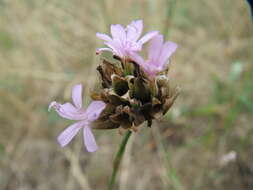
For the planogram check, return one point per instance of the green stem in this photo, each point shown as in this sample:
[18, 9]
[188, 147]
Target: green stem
[118, 159]
[171, 5]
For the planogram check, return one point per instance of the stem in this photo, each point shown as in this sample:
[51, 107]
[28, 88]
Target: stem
[118, 159]
[171, 5]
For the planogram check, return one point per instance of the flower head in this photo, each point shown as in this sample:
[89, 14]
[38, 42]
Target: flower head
[124, 41]
[158, 55]
[83, 117]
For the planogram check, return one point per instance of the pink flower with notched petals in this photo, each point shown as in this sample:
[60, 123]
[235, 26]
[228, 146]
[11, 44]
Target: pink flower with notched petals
[83, 117]
[158, 55]
[124, 41]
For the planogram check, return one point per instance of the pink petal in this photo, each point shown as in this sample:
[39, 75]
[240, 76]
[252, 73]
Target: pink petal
[134, 30]
[118, 32]
[137, 58]
[151, 68]
[135, 47]
[116, 48]
[167, 50]
[99, 50]
[147, 37]
[103, 36]
[68, 111]
[68, 134]
[89, 140]
[94, 109]
[77, 96]
[155, 48]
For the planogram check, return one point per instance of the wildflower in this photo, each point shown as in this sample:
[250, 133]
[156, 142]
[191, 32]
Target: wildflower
[84, 117]
[158, 55]
[124, 41]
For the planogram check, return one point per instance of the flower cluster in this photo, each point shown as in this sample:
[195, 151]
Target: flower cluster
[133, 90]
[125, 44]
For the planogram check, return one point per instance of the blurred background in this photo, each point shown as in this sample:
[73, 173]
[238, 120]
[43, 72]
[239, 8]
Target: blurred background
[205, 142]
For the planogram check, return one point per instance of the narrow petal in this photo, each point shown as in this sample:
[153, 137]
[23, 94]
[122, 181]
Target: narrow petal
[68, 134]
[68, 111]
[135, 47]
[134, 30]
[151, 69]
[155, 48]
[103, 36]
[137, 58]
[77, 95]
[99, 50]
[94, 109]
[118, 32]
[147, 37]
[168, 49]
[116, 48]
[89, 140]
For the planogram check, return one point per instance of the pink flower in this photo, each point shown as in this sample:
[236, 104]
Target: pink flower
[158, 55]
[124, 41]
[84, 117]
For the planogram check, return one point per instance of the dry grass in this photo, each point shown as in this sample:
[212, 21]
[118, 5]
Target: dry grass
[47, 46]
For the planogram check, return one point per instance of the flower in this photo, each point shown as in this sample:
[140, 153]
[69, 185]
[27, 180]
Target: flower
[84, 117]
[158, 55]
[124, 41]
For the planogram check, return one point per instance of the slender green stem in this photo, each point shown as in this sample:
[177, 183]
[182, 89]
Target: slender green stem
[118, 159]
[171, 5]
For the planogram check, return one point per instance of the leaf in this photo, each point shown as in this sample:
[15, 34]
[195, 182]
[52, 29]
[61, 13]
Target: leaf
[2, 149]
